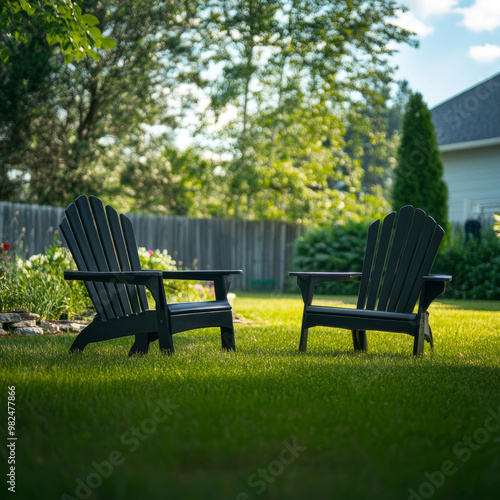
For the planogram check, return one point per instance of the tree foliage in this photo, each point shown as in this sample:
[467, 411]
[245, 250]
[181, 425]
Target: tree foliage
[62, 21]
[418, 178]
[90, 115]
[284, 100]
[24, 83]
[289, 72]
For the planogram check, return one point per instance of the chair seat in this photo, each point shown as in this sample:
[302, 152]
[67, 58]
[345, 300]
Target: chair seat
[360, 313]
[199, 307]
[360, 319]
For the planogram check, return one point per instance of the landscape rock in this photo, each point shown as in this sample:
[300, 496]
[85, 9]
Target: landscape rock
[9, 317]
[70, 326]
[24, 323]
[29, 316]
[29, 330]
[49, 327]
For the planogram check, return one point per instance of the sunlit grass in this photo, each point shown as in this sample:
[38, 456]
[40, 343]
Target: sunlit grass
[208, 424]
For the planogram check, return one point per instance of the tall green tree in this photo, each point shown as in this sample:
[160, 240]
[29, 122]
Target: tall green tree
[373, 132]
[418, 177]
[92, 114]
[288, 70]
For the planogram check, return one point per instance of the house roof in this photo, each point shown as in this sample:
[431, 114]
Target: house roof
[473, 115]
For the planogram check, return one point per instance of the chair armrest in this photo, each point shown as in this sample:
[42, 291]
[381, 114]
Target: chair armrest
[320, 277]
[438, 277]
[125, 277]
[308, 280]
[150, 278]
[434, 285]
[208, 275]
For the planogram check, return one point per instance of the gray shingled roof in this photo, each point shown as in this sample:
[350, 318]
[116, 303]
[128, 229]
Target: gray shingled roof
[472, 115]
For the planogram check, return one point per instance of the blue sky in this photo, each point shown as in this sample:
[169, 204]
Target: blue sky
[459, 46]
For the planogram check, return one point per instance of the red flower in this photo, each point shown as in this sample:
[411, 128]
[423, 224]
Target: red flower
[5, 246]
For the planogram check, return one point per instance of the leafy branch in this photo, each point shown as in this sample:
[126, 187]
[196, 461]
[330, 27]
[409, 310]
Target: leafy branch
[63, 22]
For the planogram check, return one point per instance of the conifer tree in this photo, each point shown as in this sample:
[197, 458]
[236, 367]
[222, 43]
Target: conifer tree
[418, 177]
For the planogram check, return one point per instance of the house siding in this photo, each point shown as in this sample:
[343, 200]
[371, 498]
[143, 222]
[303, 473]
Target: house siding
[468, 132]
[473, 180]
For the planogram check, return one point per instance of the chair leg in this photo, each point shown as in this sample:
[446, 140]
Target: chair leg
[80, 342]
[227, 337]
[359, 340]
[141, 344]
[165, 337]
[423, 328]
[92, 333]
[428, 334]
[303, 339]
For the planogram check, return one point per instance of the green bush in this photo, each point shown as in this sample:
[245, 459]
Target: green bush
[37, 284]
[338, 248]
[474, 265]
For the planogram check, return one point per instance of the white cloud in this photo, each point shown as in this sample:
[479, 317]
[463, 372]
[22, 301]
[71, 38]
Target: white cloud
[484, 53]
[409, 21]
[420, 10]
[482, 15]
[427, 8]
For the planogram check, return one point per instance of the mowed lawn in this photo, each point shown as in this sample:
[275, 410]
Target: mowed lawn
[265, 422]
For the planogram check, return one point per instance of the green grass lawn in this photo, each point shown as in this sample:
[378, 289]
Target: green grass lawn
[264, 422]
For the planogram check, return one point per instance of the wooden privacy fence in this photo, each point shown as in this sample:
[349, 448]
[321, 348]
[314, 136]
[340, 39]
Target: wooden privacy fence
[261, 248]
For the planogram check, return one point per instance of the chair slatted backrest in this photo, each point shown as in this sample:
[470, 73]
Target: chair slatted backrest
[399, 252]
[99, 240]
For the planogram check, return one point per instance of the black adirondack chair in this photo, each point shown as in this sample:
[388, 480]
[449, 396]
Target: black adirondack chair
[104, 248]
[398, 257]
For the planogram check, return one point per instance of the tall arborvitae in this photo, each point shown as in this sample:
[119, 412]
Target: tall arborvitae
[418, 177]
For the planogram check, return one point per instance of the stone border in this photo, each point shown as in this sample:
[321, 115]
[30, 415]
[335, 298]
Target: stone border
[28, 324]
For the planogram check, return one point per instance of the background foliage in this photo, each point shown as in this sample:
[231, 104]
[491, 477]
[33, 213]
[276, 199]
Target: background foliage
[474, 265]
[253, 109]
[37, 285]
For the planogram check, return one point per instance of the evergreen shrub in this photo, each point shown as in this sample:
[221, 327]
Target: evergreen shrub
[418, 176]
